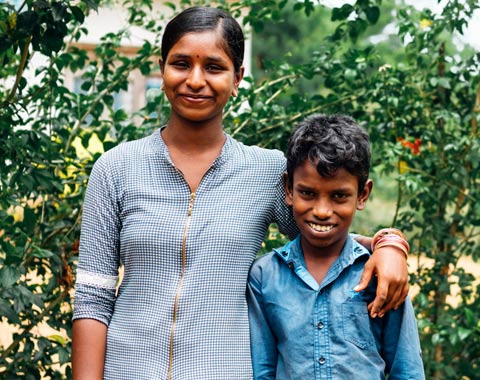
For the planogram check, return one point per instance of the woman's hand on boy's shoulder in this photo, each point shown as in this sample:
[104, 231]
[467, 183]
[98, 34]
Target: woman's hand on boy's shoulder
[390, 266]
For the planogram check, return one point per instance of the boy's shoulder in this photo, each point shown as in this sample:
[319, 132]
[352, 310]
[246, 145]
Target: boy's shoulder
[264, 262]
[272, 263]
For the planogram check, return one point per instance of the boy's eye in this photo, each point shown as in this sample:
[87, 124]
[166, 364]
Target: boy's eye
[306, 193]
[340, 196]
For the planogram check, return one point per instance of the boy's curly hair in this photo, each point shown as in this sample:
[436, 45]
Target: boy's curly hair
[330, 142]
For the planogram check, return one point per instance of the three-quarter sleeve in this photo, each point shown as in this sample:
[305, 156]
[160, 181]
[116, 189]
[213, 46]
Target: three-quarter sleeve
[97, 271]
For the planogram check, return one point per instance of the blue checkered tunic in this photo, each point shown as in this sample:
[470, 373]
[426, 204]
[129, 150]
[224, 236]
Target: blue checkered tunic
[181, 307]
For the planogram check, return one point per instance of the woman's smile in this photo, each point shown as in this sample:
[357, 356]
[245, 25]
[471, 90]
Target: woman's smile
[195, 99]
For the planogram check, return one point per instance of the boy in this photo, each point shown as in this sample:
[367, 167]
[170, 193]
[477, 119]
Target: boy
[306, 321]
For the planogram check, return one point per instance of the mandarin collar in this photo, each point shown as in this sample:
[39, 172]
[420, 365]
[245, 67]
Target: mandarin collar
[161, 148]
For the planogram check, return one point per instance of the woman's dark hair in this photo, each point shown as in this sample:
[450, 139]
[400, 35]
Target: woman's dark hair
[330, 142]
[201, 19]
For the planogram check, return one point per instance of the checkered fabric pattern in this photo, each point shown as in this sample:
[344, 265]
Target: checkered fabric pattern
[134, 215]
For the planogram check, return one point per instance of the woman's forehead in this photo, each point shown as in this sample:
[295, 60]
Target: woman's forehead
[205, 43]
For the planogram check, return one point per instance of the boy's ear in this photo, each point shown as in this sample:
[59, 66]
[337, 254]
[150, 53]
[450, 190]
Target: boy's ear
[288, 190]
[364, 194]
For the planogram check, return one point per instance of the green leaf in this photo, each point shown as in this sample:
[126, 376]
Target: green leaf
[91, 4]
[63, 355]
[339, 14]
[58, 339]
[9, 276]
[170, 5]
[444, 82]
[463, 333]
[29, 220]
[78, 14]
[7, 311]
[42, 253]
[470, 316]
[373, 14]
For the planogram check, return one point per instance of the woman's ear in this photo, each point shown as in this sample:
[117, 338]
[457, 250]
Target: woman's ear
[162, 67]
[236, 82]
[364, 194]
[288, 190]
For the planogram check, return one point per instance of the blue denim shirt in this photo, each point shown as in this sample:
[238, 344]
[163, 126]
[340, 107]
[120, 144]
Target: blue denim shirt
[303, 331]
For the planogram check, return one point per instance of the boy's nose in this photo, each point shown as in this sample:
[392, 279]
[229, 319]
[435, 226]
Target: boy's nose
[322, 210]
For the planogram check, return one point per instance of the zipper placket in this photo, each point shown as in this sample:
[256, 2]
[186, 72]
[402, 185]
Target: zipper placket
[180, 284]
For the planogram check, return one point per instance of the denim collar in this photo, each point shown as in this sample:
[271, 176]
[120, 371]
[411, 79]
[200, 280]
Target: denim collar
[292, 255]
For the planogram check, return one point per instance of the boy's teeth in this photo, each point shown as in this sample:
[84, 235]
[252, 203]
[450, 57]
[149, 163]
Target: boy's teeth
[320, 228]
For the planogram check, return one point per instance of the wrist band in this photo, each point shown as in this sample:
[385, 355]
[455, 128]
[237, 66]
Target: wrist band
[393, 244]
[387, 231]
[391, 237]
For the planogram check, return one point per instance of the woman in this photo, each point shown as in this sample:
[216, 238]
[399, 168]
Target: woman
[185, 210]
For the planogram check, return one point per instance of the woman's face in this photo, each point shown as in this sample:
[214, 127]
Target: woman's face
[199, 77]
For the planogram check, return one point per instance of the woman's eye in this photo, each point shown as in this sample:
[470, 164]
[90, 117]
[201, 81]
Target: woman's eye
[180, 64]
[214, 68]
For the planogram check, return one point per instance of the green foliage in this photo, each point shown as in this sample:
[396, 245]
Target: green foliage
[422, 113]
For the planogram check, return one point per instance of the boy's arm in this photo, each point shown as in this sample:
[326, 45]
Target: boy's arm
[389, 264]
[401, 344]
[262, 341]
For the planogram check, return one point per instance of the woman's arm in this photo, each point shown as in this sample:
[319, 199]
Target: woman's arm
[389, 264]
[97, 274]
[88, 349]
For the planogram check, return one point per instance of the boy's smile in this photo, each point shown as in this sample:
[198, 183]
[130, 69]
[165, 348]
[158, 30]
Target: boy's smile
[324, 207]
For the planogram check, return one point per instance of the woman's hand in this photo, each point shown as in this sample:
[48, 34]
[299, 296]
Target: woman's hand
[389, 264]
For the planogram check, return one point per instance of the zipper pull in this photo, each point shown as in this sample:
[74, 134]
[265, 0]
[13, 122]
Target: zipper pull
[190, 205]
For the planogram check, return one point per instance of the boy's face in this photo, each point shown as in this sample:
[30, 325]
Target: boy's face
[324, 207]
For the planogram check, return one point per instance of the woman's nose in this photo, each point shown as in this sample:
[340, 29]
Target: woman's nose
[196, 78]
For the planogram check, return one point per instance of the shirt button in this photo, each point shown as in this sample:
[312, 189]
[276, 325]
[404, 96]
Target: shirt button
[322, 360]
[320, 325]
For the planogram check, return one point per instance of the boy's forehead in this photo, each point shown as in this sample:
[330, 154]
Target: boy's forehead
[307, 172]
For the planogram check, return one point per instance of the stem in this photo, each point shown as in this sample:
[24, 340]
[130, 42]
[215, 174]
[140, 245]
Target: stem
[278, 92]
[399, 198]
[275, 81]
[476, 109]
[21, 69]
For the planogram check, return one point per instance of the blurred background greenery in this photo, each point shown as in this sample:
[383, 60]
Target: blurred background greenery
[405, 74]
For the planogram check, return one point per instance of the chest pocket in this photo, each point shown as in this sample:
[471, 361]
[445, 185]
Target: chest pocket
[356, 324]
